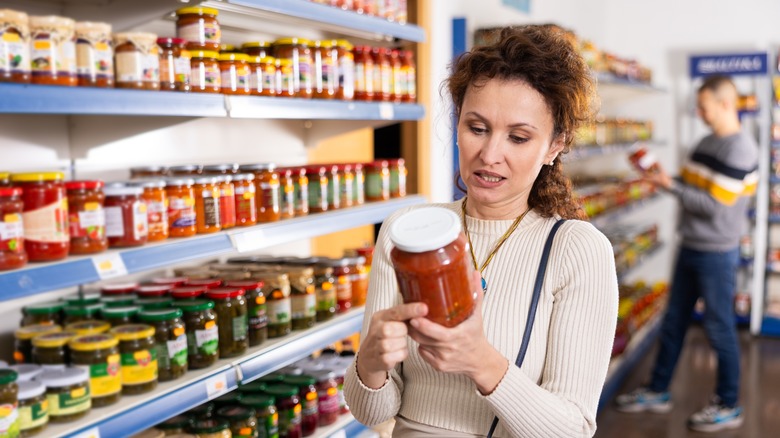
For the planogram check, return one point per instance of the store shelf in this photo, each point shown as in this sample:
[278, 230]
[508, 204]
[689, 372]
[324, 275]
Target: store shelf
[612, 88]
[346, 427]
[580, 152]
[655, 249]
[312, 109]
[613, 215]
[74, 271]
[136, 413]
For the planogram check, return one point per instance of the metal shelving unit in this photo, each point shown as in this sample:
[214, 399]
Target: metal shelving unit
[581, 152]
[655, 249]
[613, 215]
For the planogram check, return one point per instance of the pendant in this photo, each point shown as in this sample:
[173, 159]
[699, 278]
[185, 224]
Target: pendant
[484, 285]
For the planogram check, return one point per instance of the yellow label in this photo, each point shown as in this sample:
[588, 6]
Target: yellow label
[209, 325]
[42, 45]
[260, 300]
[248, 195]
[9, 37]
[178, 331]
[142, 208]
[327, 285]
[12, 218]
[92, 206]
[139, 367]
[332, 392]
[78, 392]
[297, 409]
[105, 265]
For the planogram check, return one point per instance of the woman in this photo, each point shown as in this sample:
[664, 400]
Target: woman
[518, 104]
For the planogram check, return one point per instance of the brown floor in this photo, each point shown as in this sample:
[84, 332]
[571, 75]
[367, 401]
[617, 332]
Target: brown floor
[693, 383]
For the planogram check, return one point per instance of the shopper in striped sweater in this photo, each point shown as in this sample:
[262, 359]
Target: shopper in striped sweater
[518, 104]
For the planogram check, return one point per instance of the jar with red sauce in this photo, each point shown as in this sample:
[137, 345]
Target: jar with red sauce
[12, 253]
[156, 199]
[175, 64]
[307, 392]
[383, 74]
[45, 215]
[364, 74]
[126, 219]
[245, 202]
[342, 271]
[199, 26]
[289, 408]
[328, 395]
[181, 207]
[432, 263]
[227, 201]
[86, 217]
[153, 290]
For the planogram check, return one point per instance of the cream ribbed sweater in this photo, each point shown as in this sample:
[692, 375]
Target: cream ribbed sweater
[556, 392]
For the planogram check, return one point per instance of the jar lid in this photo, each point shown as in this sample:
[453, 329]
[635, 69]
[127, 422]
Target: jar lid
[30, 389]
[186, 167]
[26, 371]
[64, 377]
[378, 164]
[153, 290]
[187, 292]
[43, 308]
[53, 340]
[231, 398]
[10, 191]
[263, 60]
[221, 293]
[118, 300]
[206, 180]
[292, 41]
[253, 387]
[210, 425]
[396, 161]
[118, 288]
[177, 422]
[323, 375]
[89, 327]
[31, 331]
[316, 168]
[154, 303]
[257, 400]
[282, 391]
[141, 37]
[148, 183]
[37, 176]
[245, 284]
[425, 229]
[171, 40]
[233, 57]
[345, 44]
[123, 191]
[220, 167]
[171, 182]
[244, 177]
[325, 44]
[175, 281]
[48, 20]
[208, 283]
[158, 315]
[9, 15]
[100, 341]
[236, 413]
[132, 332]
[84, 185]
[255, 44]
[257, 166]
[8, 376]
[83, 299]
[120, 312]
[146, 169]
[197, 10]
[299, 380]
[194, 305]
[208, 54]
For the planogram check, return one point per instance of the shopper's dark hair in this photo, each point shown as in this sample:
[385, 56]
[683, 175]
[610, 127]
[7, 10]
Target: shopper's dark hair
[544, 57]
[715, 82]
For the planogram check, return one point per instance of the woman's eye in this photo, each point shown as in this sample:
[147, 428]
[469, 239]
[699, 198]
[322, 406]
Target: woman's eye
[477, 130]
[518, 140]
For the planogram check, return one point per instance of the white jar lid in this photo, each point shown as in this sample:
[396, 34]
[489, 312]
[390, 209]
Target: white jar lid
[27, 371]
[425, 229]
[30, 389]
[66, 377]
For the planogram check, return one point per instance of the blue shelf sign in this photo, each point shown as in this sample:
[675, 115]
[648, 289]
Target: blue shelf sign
[745, 64]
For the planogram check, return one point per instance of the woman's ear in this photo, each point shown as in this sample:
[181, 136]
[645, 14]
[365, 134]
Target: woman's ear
[556, 147]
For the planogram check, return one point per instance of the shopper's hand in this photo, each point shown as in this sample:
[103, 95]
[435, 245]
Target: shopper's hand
[385, 344]
[462, 349]
[659, 179]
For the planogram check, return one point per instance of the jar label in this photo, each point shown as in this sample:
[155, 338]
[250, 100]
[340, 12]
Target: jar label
[67, 57]
[9, 420]
[181, 212]
[329, 75]
[207, 341]
[177, 351]
[346, 73]
[305, 75]
[48, 223]
[35, 415]
[166, 69]
[157, 217]
[326, 297]
[206, 76]
[210, 209]
[279, 311]
[12, 233]
[360, 78]
[105, 378]
[88, 223]
[139, 367]
[14, 53]
[182, 68]
[129, 67]
[310, 404]
[240, 328]
[343, 289]
[289, 419]
[288, 80]
[246, 209]
[272, 425]
[151, 67]
[268, 80]
[318, 194]
[200, 32]
[69, 402]
[328, 401]
[359, 188]
[399, 81]
[115, 222]
[386, 79]
[94, 59]
[258, 319]
[236, 78]
[376, 78]
[304, 306]
[269, 197]
[347, 187]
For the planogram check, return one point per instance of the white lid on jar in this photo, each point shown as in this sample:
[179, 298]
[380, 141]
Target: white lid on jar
[425, 229]
[123, 191]
[26, 371]
[66, 377]
[30, 389]
[3, 364]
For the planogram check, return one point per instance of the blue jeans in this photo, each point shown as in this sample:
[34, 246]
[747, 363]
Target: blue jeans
[711, 275]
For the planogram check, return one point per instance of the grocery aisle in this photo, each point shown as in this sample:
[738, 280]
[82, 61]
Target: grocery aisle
[692, 385]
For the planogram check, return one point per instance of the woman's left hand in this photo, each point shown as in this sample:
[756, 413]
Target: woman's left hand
[462, 349]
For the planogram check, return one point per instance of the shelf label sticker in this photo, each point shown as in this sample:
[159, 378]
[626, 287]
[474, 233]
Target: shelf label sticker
[109, 265]
[91, 433]
[248, 241]
[216, 385]
[386, 111]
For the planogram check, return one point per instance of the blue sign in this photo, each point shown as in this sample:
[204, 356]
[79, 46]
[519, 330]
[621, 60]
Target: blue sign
[520, 5]
[732, 65]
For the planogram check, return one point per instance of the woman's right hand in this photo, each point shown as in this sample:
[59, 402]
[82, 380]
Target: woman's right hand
[385, 344]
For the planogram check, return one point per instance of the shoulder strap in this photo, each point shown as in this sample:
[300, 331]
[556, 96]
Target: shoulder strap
[529, 324]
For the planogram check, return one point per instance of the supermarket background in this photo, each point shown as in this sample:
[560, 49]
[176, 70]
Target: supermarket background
[641, 53]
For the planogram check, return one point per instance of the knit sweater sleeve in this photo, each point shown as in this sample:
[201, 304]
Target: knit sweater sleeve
[579, 344]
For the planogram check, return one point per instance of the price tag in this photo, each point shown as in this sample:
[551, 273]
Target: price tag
[386, 111]
[248, 241]
[91, 433]
[216, 385]
[109, 265]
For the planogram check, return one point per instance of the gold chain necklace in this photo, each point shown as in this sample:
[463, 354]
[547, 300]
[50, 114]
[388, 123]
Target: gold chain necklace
[500, 242]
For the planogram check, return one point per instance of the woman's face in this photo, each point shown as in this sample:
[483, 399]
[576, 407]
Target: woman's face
[505, 137]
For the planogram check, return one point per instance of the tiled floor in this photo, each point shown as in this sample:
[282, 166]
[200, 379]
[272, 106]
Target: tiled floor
[694, 382]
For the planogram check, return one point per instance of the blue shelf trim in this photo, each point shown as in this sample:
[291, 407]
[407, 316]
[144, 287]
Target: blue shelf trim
[53, 276]
[312, 109]
[354, 429]
[613, 215]
[302, 9]
[158, 256]
[610, 79]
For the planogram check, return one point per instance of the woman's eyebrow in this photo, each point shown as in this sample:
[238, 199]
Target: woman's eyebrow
[514, 125]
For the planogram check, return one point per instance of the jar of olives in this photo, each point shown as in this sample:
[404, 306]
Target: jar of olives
[51, 350]
[23, 340]
[67, 393]
[326, 292]
[33, 408]
[242, 420]
[303, 297]
[88, 327]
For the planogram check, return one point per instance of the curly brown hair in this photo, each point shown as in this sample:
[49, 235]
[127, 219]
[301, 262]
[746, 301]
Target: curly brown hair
[543, 57]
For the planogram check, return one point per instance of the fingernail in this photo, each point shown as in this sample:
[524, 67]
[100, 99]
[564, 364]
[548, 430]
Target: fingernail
[414, 323]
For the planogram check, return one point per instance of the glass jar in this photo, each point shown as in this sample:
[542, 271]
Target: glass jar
[206, 410]
[126, 218]
[289, 406]
[139, 357]
[94, 55]
[153, 291]
[67, 392]
[260, 49]
[187, 292]
[364, 73]
[267, 415]
[326, 61]
[211, 428]
[297, 50]
[23, 340]
[154, 303]
[148, 172]
[231, 309]
[9, 400]
[206, 76]
[325, 284]
[45, 207]
[170, 341]
[267, 186]
[33, 408]
[181, 207]
[358, 185]
[118, 300]
[42, 313]
[397, 178]
[173, 426]
[170, 281]
[409, 68]
[303, 297]
[26, 372]
[53, 51]
[200, 322]
[156, 200]
[207, 213]
[286, 78]
[342, 272]
[346, 185]
[257, 315]
[199, 27]
[117, 316]
[186, 170]
[307, 392]
[175, 68]
[12, 253]
[346, 70]
[263, 78]
[137, 60]
[82, 299]
[88, 326]
[206, 283]
[234, 68]
[51, 350]
[432, 264]
[328, 396]
[334, 186]
[227, 201]
[300, 191]
[245, 199]
[398, 77]
[359, 279]
[86, 217]
[242, 419]
[383, 74]
[317, 188]
[287, 189]
[378, 181]
[15, 44]
[339, 365]
[81, 313]
[278, 304]
[232, 398]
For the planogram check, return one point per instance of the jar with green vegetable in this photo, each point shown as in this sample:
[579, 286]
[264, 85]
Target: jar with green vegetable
[230, 306]
[200, 322]
[170, 341]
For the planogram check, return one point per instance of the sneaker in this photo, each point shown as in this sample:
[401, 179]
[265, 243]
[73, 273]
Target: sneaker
[642, 400]
[715, 417]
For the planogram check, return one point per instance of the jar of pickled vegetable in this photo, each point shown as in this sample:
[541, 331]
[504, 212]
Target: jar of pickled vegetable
[53, 51]
[175, 68]
[12, 253]
[227, 201]
[67, 392]
[154, 303]
[156, 199]
[99, 354]
[115, 289]
[170, 341]
[42, 313]
[267, 415]
[342, 271]
[118, 300]
[231, 309]
[181, 207]
[245, 199]
[82, 299]
[81, 313]
[153, 291]
[137, 60]
[297, 51]
[263, 77]
[279, 308]
[33, 408]
[200, 322]
[126, 218]
[317, 178]
[287, 189]
[94, 55]
[242, 419]
[23, 340]
[397, 178]
[300, 191]
[177, 425]
[346, 185]
[207, 213]
[199, 26]
[235, 73]
[307, 392]
[9, 401]
[257, 315]
[378, 181]
[51, 350]
[211, 428]
[268, 191]
[289, 406]
[325, 284]
[15, 43]
[45, 215]
[89, 326]
[117, 316]
[303, 297]
[206, 75]
[187, 292]
[86, 217]
[139, 357]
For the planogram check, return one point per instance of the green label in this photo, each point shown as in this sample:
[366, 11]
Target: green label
[10, 421]
[373, 185]
[318, 195]
[207, 341]
[279, 311]
[69, 402]
[240, 328]
[326, 297]
[177, 351]
[271, 429]
[33, 416]
[258, 318]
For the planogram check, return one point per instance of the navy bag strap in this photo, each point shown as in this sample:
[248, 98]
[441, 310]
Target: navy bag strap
[529, 325]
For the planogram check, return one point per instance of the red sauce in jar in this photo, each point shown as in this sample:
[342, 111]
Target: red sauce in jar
[12, 253]
[45, 215]
[86, 217]
[126, 218]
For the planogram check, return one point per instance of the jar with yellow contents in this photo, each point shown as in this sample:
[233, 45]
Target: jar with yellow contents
[99, 355]
[138, 357]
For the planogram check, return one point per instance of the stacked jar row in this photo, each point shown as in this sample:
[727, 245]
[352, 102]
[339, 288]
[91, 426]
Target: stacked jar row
[392, 10]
